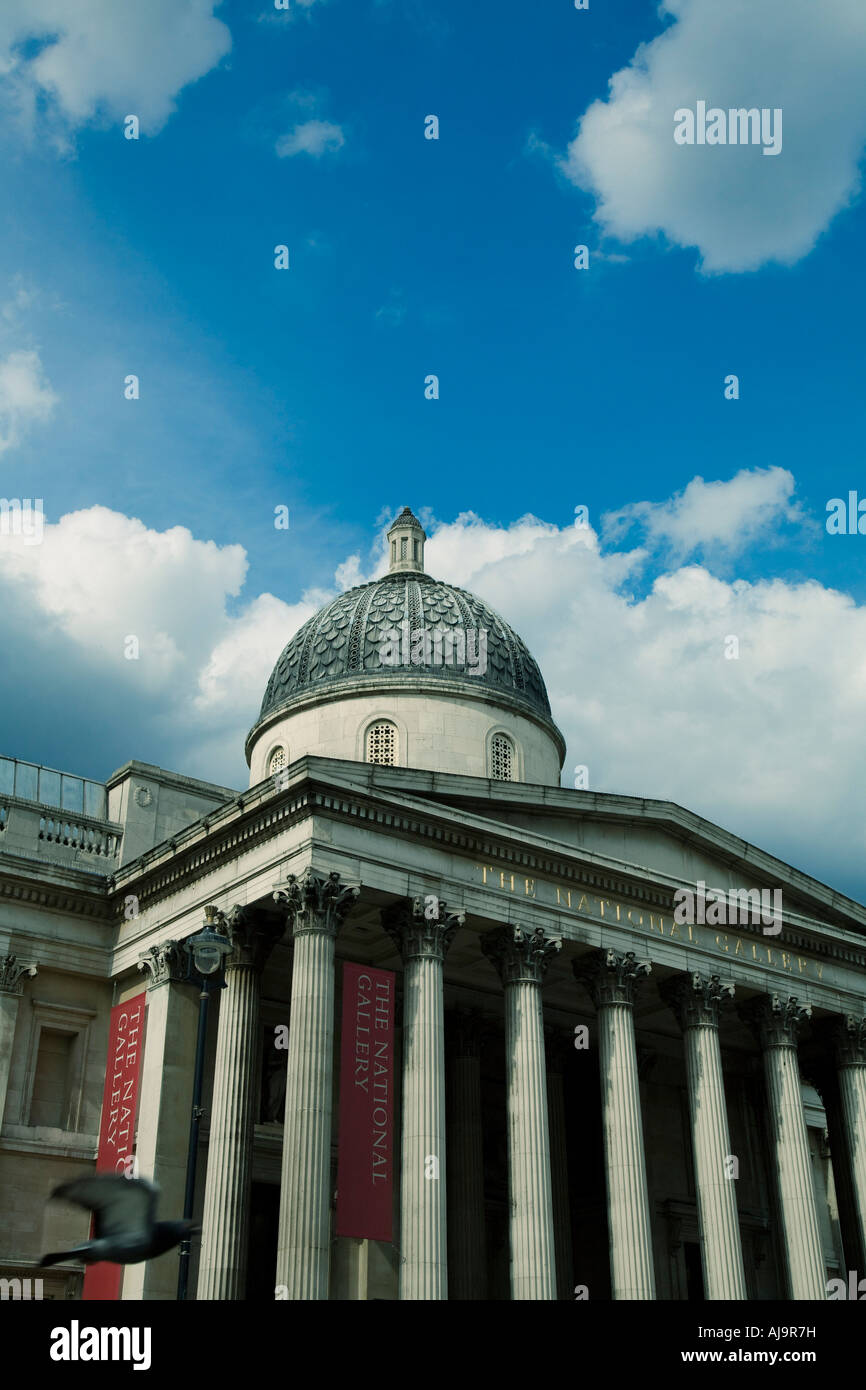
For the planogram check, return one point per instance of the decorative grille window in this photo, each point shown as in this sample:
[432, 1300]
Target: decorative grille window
[278, 760]
[382, 744]
[501, 759]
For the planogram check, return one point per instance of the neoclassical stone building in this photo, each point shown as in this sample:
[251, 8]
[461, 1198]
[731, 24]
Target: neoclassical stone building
[596, 1092]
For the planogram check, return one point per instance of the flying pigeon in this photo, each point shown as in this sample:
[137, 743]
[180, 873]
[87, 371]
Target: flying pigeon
[125, 1227]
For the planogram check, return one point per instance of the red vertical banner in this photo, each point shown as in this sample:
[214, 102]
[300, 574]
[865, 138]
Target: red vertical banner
[365, 1179]
[117, 1127]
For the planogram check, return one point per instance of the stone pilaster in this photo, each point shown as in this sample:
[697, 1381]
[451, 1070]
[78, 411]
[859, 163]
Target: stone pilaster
[559, 1050]
[315, 909]
[467, 1254]
[12, 972]
[697, 1000]
[423, 929]
[612, 980]
[776, 1021]
[225, 1222]
[165, 1101]
[521, 959]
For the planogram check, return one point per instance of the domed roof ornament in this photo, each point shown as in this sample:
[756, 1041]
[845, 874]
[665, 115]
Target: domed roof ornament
[406, 541]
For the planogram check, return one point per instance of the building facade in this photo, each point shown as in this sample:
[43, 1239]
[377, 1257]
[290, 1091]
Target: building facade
[635, 1080]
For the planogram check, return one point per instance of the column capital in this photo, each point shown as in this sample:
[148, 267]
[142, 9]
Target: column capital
[610, 976]
[165, 963]
[518, 956]
[846, 1036]
[253, 935]
[314, 903]
[775, 1019]
[696, 999]
[11, 972]
[422, 927]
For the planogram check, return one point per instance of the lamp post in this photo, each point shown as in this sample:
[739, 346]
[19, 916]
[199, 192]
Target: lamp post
[206, 953]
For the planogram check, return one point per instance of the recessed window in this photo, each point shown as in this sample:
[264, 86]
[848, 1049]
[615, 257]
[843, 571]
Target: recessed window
[278, 760]
[501, 758]
[382, 744]
[404, 541]
[50, 1100]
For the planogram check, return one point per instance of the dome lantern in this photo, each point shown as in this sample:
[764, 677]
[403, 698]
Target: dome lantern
[406, 544]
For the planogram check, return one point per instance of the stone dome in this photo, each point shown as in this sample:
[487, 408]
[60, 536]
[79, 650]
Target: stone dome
[403, 635]
[343, 643]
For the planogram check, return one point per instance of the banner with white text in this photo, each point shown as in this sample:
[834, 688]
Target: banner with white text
[117, 1127]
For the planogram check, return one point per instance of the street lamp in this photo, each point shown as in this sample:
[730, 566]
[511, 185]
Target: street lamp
[206, 953]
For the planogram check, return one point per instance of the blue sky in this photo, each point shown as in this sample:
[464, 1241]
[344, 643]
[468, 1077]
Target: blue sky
[409, 256]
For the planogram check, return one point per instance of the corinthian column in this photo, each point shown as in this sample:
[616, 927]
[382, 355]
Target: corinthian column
[225, 1223]
[315, 909]
[612, 981]
[522, 959]
[696, 1000]
[11, 971]
[423, 935]
[776, 1022]
[466, 1244]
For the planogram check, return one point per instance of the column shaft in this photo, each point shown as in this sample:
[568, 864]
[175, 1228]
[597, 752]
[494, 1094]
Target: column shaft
[303, 1253]
[225, 1223]
[315, 910]
[851, 1060]
[522, 960]
[801, 1236]
[631, 1257]
[718, 1218]
[776, 1021]
[424, 1260]
[533, 1265]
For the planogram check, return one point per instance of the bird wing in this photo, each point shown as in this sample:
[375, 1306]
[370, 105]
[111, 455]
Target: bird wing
[119, 1205]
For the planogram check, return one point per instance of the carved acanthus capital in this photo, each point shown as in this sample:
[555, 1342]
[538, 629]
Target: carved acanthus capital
[12, 971]
[611, 977]
[696, 999]
[422, 928]
[253, 935]
[167, 963]
[520, 957]
[314, 903]
[775, 1019]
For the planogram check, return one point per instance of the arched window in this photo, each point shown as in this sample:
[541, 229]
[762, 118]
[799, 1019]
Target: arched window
[382, 743]
[278, 760]
[501, 758]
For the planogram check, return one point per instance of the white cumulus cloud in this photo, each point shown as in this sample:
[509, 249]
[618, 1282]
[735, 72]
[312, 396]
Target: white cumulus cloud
[26, 396]
[725, 516]
[101, 57]
[738, 208]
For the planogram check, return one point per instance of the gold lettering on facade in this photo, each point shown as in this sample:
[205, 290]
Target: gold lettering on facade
[609, 909]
